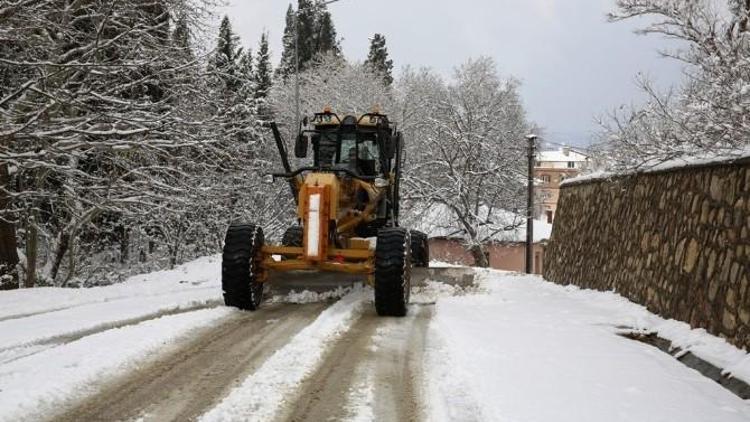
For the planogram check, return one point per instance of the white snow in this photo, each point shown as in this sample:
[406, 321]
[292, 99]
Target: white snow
[57, 343]
[307, 296]
[515, 348]
[440, 221]
[201, 274]
[32, 316]
[361, 396]
[441, 264]
[530, 350]
[264, 392]
[560, 156]
[700, 159]
[35, 384]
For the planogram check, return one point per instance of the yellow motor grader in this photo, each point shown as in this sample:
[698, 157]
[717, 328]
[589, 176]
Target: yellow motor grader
[349, 195]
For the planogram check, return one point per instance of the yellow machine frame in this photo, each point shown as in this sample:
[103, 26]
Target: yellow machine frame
[321, 195]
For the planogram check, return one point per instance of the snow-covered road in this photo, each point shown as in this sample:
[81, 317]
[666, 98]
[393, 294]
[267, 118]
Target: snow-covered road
[508, 348]
[529, 350]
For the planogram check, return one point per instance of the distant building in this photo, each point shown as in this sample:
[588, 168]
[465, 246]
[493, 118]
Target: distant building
[505, 249]
[551, 168]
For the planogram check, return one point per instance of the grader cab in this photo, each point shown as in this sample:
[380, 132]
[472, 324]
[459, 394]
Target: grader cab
[348, 197]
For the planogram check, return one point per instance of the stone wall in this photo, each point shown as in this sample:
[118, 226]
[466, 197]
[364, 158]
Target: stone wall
[676, 241]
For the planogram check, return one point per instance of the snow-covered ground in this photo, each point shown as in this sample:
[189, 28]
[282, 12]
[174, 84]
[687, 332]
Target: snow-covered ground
[55, 343]
[35, 319]
[529, 350]
[513, 348]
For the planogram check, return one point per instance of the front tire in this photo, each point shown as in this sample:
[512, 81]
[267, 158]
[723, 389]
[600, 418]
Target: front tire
[240, 269]
[392, 272]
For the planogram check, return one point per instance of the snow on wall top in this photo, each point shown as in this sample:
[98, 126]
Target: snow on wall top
[664, 166]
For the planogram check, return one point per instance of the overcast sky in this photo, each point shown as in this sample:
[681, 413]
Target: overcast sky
[574, 65]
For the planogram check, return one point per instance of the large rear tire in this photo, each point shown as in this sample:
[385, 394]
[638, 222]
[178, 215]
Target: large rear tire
[292, 237]
[392, 271]
[420, 249]
[240, 267]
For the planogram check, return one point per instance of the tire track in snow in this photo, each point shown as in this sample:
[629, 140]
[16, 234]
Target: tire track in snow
[374, 372]
[98, 301]
[182, 384]
[33, 387]
[15, 352]
[264, 393]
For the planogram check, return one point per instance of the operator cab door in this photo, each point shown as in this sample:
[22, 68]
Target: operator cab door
[359, 153]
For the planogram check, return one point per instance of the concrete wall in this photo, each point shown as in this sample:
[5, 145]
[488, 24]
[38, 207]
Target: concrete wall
[676, 241]
[503, 256]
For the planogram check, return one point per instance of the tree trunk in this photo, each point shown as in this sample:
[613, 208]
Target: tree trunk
[124, 235]
[63, 242]
[480, 258]
[8, 241]
[32, 237]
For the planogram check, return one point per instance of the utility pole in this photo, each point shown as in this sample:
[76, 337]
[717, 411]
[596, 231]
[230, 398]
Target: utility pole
[530, 205]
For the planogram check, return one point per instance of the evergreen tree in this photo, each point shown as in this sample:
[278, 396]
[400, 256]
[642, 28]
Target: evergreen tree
[741, 9]
[326, 36]
[225, 61]
[286, 67]
[262, 77]
[377, 59]
[245, 66]
[245, 75]
[316, 35]
[308, 30]
[181, 38]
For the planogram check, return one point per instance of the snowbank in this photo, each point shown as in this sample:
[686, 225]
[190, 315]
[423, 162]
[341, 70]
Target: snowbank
[32, 316]
[201, 274]
[35, 384]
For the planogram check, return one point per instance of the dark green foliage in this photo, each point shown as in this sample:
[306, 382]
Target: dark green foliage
[377, 59]
[263, 78]
[181, 38]
[316, 35]
[326, 37]
[226, 58]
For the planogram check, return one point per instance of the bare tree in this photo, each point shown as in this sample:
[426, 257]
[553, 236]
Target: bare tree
[709, 113]
[331, 81]
[108, 122]
[466, 149]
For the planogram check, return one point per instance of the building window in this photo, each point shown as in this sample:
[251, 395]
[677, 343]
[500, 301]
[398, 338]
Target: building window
[571, 164]
[537, 163]
[550, 214]
[545, 178]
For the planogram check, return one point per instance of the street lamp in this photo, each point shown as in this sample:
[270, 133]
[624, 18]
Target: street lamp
[531, 139]
[296, 62]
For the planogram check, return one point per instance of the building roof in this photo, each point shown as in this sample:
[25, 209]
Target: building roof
[439, 221]
[561, 155]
